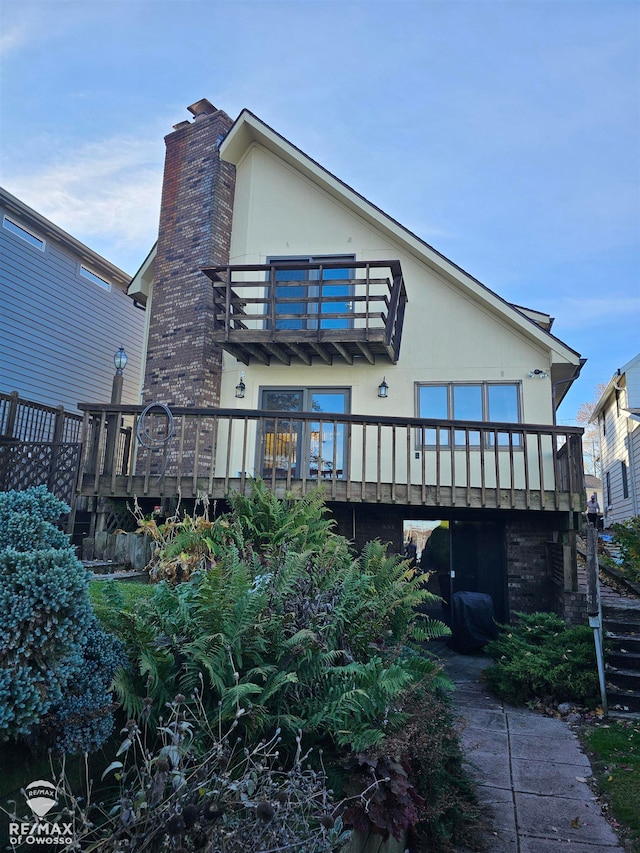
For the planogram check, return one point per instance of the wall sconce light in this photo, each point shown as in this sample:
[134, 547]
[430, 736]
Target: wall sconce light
[537, 374]
[120, 360]
[241, 387]
[383, 388]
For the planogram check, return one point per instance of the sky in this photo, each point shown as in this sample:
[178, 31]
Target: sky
[505, 133]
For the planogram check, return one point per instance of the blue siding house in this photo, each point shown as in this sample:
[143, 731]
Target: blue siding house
[64, 313]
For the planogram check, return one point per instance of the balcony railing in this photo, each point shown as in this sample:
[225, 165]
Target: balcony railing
[300, 311]
[354, 457]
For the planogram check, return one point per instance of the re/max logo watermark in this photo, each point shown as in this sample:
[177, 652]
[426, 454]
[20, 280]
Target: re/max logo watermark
[41, 797]
[41, 834]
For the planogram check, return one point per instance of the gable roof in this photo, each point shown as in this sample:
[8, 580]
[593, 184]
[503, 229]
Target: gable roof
[249, 130]
[613, 386]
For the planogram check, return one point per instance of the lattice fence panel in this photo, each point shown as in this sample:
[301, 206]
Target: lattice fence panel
[40, 464]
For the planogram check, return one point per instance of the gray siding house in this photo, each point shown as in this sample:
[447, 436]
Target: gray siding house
[65, 311]
[617, 414]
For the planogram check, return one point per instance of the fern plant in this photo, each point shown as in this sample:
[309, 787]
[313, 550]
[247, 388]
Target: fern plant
[284, 627]
[269, 523]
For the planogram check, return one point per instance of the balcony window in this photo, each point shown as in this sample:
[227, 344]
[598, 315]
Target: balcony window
[304, 310]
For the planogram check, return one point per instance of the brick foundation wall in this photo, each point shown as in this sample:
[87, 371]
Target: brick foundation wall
[573, 607]
[528, 581]
[183, 368]
[371, 522]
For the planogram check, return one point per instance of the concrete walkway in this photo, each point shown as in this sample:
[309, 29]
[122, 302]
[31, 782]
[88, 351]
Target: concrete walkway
[530, 770]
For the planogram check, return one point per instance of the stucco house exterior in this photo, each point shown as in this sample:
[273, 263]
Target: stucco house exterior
[617, 414]
[298, 333]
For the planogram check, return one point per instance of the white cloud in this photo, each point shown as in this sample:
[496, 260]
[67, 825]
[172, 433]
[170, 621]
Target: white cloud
[12, 38]
[107, 191]
[595, 312]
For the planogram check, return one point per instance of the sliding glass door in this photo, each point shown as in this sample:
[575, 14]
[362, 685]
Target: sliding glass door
[306, 296]
[313, 449]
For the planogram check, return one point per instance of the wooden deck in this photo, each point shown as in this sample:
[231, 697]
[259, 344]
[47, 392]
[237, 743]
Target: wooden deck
[128, 451]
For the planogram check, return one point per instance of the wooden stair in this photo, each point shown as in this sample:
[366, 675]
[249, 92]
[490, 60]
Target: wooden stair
[621, 623]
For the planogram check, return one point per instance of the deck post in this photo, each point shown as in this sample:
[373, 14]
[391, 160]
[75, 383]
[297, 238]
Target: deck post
[12, 412]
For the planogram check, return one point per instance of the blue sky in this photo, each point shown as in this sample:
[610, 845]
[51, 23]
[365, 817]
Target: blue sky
[504, 133]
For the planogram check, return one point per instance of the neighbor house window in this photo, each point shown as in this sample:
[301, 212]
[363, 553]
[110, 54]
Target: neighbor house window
[608, 485]
[23, 233]
[495, 403]
[95, 278]
[306, 294]
[625, 481]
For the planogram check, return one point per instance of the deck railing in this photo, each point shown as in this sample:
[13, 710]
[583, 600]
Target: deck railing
[25, 420]
[354, 457]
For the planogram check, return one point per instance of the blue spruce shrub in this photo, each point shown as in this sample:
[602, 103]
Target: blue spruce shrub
[50, 643]
[45, 614]
[28, 520]
[83, 719]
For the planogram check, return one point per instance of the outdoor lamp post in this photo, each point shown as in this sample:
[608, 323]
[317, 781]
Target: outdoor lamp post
[120, 360]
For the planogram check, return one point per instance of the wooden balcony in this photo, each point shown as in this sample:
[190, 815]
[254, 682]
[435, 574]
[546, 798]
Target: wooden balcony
[298, 311]
[355, 458]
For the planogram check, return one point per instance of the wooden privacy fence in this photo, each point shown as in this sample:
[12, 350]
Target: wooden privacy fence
[51, 464]
[39, 446]
[355, 458]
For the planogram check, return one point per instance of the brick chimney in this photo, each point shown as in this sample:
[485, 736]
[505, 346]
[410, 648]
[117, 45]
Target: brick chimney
[183, 367]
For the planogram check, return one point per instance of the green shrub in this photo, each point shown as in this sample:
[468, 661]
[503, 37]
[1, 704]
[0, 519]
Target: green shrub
[540, 658]
[285, 627]
[28, 520]
[627, 537]
[309, 639]
[48, 664]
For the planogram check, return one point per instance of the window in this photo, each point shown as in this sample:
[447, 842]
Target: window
[21, 232]
[608, 486]
[497, 402]
[625, 481]
[316, 299]
[94, 277]
[315, 448]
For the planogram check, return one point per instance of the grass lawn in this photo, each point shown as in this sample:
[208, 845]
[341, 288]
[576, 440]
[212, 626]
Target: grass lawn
[615, 753]
[131, 591]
